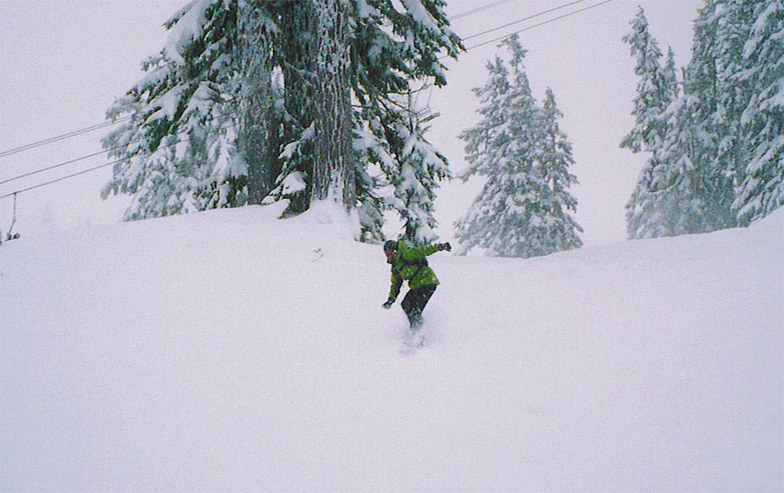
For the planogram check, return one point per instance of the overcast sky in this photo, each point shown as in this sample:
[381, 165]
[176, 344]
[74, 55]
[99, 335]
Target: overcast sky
[63, 62]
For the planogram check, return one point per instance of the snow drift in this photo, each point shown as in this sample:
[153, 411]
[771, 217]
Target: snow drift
[229, 350]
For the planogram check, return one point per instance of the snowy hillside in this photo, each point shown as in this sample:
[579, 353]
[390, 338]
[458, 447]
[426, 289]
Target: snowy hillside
[232, 351]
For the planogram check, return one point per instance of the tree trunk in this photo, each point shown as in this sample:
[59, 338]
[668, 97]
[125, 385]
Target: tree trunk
[298, 52]
[258, 116]
[334, 166]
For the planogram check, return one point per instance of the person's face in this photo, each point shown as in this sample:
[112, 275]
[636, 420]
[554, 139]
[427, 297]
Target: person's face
[390, 256]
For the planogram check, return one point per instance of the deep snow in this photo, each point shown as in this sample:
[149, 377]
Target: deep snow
[230, 350]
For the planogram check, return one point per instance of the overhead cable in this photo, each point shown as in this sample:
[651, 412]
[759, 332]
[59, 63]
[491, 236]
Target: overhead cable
[495, 40]
[58, 138]
[479, 9]
[55, 166]
[61, 178]
[533, 16]
[183, 134]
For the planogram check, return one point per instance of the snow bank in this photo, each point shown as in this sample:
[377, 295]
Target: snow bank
[230, 350]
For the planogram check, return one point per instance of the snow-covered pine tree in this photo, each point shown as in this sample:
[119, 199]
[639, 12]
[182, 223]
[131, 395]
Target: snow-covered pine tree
[653, 208]
[415, 173]
[716, 101]
[666, 201]
[733, 23]
[520, 149]
[487, 144]
[254, 132]
[654, 89]
[762, 189]
[406, 163]
[177, 152]
[679, 190]
[719, 164]
[556, 159]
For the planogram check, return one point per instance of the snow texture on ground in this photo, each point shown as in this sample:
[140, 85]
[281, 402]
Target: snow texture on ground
[230, 350]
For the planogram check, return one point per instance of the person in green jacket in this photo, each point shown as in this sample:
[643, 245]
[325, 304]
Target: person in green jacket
[409, 264]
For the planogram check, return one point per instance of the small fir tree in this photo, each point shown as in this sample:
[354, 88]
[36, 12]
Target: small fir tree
[561, 232]
[419, 169]
[655, 89]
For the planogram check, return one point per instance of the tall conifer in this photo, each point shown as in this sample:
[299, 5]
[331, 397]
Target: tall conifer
[521, 210]
[762, 189]
[279, 99]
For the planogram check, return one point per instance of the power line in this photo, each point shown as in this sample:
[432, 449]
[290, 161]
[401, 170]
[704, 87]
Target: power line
[58, 138]
[170, 144]
[40, 185]
[55, 166]
[479, 9]
[533, 16]
[494, 40]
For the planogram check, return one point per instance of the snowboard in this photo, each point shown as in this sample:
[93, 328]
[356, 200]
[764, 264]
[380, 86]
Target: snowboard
[412, 341]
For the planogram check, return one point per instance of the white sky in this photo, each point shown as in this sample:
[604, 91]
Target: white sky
[62, 63]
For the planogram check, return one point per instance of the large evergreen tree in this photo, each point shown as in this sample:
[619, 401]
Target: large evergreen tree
[715, 99]
[762, 189]
[395, 51]
[254, 99]
[522, 210]
[334, 162]
[257, 102]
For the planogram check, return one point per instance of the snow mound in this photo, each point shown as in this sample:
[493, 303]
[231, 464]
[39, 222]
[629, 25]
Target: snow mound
[230, 350]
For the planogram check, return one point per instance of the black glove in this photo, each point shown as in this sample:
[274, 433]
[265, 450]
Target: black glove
[388, 304]
[445, 246]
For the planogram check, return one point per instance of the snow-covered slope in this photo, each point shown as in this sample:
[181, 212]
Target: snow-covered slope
[232, 351]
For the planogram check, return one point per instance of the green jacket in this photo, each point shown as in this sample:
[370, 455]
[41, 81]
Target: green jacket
[409, 266]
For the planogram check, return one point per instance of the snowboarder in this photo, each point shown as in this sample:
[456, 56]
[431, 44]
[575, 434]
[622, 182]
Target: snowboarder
[409, 264]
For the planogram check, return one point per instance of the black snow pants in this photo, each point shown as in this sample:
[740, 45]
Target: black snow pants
[414, 302]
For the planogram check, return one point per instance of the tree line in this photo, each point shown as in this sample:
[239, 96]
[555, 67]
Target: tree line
[256, 101]
[713, 132]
